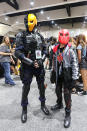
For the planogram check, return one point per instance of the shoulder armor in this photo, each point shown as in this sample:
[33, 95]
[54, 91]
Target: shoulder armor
[20, 34]
[19, 38]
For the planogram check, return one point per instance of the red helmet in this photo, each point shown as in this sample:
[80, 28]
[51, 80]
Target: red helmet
[63, 36]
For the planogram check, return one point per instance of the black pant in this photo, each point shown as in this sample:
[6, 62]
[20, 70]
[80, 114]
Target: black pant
[26, 74]
[61, 83]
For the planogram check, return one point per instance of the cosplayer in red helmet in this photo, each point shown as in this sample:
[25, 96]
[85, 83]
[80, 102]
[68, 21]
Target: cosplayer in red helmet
[63, 36]
[65, 74]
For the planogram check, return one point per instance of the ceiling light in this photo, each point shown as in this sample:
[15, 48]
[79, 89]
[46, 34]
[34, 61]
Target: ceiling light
[17, 22]
[42, 12]
[6, 18]
[31, 3]
[55, 24]
[48, 18]
[86, 18]
[52, 21]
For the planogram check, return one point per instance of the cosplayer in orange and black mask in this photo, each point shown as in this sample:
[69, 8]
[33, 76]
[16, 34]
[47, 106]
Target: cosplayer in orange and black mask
[30, 22]
[66, 67]
[31, 50]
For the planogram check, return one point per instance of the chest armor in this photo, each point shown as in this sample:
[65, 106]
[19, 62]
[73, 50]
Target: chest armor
[32, 42]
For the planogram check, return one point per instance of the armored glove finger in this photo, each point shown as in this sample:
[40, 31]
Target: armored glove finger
[40, 63]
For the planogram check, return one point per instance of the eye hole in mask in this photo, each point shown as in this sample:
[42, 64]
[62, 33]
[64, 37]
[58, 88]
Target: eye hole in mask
[31, 21]
[66, 35]
[61, 34]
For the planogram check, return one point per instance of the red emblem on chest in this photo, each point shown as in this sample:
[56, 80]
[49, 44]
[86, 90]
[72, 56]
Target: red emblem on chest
[60, 58]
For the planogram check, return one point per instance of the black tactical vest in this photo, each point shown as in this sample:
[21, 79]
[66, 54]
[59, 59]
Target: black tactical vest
[32, 42]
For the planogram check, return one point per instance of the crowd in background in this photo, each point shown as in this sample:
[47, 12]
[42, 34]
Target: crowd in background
[10, 64]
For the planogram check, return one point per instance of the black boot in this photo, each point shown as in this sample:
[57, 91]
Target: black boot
[44, 108]
[83, 93]
[24, 114]
[67, 120]
[56, 107]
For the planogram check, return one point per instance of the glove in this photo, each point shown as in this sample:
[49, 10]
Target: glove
[40, 62]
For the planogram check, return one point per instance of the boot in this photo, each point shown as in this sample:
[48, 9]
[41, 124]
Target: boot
[44, 108]
[57, 107]
[24, 114]
[83, 93]
[67, 120]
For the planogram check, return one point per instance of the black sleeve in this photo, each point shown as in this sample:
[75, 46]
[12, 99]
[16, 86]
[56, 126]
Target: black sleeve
[19, 52]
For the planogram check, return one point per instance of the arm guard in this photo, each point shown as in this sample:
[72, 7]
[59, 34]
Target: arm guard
[27, 61]
[19, 52]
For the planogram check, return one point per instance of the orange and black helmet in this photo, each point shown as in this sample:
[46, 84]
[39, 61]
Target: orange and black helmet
[30, 22]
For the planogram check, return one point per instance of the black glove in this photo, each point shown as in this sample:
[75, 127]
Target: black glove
[40, 62]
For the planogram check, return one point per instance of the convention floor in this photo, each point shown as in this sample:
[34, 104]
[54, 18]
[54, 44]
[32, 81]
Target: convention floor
[10, 109]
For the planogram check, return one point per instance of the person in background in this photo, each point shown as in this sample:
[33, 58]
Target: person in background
[66, 68]
[5, 58]
[46, 62]
[82, 58]
[52, 44]
[73, 42]
[14, 61]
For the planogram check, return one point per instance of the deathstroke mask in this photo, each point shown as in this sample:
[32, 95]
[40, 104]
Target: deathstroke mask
[32, 22]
